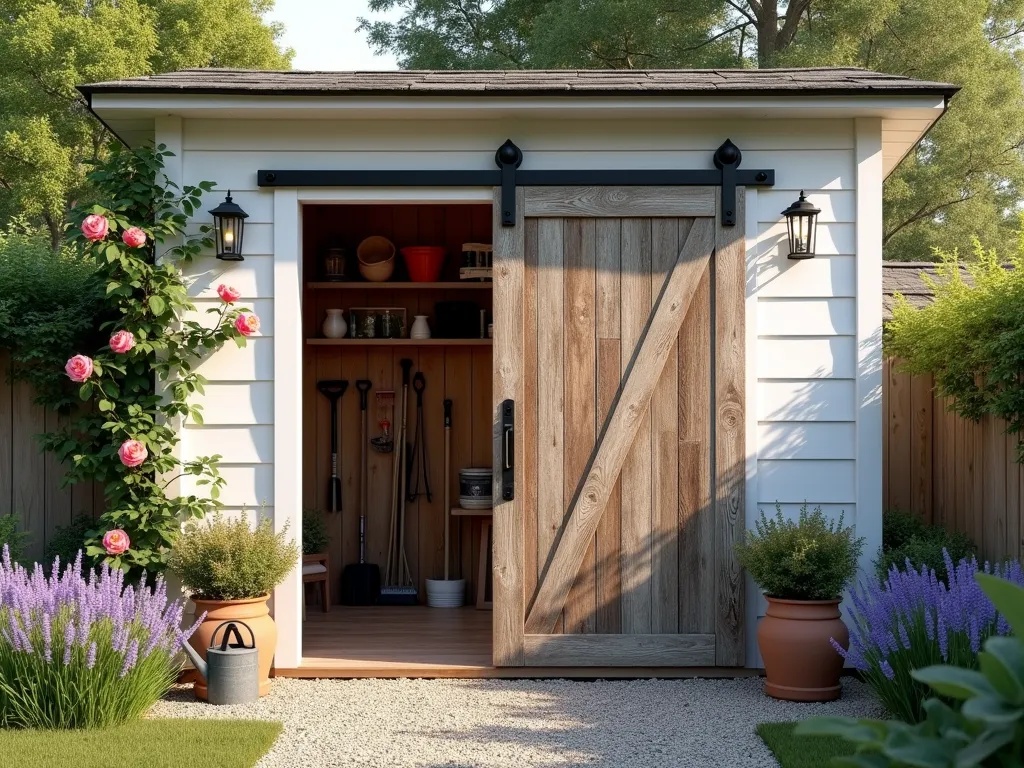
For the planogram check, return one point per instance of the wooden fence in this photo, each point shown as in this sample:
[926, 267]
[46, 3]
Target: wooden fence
[30, 481]
[953, 472]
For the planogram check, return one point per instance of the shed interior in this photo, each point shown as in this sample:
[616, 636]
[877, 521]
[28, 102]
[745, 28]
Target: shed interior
[368, 638]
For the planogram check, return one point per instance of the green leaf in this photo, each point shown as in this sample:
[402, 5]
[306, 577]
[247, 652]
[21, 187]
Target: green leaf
[1002, 663]
[954, 682]
[157, 305]
[105, 405]
[1007, 597]
[982, 748]
[992, 711]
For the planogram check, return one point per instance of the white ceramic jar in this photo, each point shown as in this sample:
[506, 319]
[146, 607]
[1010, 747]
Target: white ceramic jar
[420, 329]
[334, 326]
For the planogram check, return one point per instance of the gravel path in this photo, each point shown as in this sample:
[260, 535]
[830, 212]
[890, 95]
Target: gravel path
[518, 724]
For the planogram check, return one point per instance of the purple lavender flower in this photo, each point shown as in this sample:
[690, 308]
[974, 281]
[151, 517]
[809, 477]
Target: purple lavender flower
[90, 656]
[904, 638]
[943, 634]
[47, 638]
[887, 670]
[130, 658]
[69, 641]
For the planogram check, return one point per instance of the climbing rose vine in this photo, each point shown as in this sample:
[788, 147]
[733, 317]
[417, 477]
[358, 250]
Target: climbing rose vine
[139, 385]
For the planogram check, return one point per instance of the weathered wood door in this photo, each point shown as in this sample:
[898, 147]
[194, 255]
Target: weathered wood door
[619, 335]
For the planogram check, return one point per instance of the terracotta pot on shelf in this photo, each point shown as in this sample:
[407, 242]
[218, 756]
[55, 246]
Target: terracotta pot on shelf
[800, 663]
[253, 612]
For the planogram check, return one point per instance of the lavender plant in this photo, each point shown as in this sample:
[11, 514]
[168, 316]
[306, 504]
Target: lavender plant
[83, 651]
[914, 620]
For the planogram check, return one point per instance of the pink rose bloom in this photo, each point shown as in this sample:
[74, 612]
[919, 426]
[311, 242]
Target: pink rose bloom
[227, 293]
[78, 368]
[132, 453]
[95, 227]
[134, 237]
[116, 542]
[247, 324]
[122, 341]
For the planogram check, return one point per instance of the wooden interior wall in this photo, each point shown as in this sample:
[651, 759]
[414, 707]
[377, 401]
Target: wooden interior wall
[953, 472]
[590, 285]
[462, 373]
[30, 481]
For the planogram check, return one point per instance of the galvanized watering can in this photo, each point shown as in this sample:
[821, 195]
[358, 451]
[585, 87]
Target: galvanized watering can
[231, 670]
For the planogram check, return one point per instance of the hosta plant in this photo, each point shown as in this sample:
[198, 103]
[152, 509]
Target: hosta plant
[983, 728]
[139, 384]
[915, 620]
[83, 651]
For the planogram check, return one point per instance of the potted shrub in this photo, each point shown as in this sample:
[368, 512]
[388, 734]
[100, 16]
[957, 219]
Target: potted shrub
[803, 566]
[229, 569]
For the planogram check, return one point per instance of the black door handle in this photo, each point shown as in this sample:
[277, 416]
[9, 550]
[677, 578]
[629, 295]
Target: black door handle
[508, 450]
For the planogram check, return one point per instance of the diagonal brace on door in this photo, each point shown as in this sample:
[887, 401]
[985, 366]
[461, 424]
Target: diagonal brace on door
[621, 427]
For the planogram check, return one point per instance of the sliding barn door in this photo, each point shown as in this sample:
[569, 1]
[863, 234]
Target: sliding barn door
[619, 340]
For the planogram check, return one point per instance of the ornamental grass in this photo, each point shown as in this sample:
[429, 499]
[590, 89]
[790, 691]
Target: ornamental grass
[83, 651]
[914, 620]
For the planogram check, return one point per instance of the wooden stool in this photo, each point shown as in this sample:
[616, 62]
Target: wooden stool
[316, 569]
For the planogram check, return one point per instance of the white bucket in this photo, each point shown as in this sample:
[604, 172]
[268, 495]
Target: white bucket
[446, 594]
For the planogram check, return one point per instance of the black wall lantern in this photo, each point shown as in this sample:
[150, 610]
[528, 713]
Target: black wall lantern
[228, 223]
[802, 221]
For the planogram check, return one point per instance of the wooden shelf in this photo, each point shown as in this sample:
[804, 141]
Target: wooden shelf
[353, 285]
[460, 512]
[400, 342]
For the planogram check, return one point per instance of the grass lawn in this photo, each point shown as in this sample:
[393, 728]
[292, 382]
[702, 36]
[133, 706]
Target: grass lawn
[142, 744]
[801, 751]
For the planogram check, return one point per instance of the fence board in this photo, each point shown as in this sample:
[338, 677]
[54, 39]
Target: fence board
[30, 482]
[950, 471]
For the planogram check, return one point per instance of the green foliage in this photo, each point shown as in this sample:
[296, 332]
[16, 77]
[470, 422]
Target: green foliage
[146, 293]
[153, 743]
[811, 558]
[965, 178]
[49, 305]
[314, 532]
[69, 539]
[12, 537]
[905, 536]
[50, 46]
[985, 727]
[971, 338]
[230, 560]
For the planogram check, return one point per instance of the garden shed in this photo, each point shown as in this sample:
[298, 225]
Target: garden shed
[635, 340]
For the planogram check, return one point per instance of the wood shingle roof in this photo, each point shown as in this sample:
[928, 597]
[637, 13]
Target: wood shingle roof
[819, 81]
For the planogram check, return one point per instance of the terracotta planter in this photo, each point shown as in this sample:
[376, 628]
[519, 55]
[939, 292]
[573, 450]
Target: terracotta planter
[799, 661]
[253, 612]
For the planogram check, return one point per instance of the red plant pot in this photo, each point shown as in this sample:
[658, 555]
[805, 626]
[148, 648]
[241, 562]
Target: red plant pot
[424, 262]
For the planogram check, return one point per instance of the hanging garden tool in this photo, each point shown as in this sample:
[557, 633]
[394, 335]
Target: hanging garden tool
[399, 588]
[419, 468]
[384, 443]
[334, 390]
[360, 582]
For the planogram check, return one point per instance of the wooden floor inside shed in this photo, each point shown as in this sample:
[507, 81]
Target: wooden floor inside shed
[417, 641]
[396, 641]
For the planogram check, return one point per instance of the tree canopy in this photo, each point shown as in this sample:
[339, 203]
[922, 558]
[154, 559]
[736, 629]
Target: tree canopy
[49, 46]
[965, 179]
